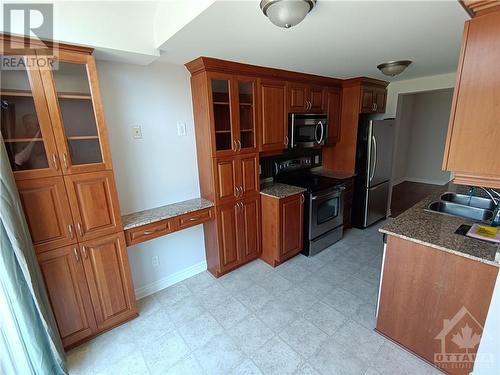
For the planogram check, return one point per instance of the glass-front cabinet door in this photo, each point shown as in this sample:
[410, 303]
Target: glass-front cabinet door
[75, 107]
[247, 114]
[25, 122]
[234, 113]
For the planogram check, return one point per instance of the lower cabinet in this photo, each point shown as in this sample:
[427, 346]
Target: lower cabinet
[282, 228]
[89, 287]
[238, 234]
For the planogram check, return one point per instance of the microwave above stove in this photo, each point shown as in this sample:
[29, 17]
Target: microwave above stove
[307, 130]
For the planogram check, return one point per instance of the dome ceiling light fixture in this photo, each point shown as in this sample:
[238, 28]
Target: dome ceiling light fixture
[286, 13]
[393, 68]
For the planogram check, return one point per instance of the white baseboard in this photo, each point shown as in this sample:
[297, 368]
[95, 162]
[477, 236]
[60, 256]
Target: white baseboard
[165, 282]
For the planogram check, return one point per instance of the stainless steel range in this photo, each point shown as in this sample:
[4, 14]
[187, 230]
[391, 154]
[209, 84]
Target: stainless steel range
[324, 204]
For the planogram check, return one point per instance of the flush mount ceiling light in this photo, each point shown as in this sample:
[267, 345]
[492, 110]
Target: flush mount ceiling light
[286, 13]
[393, 68]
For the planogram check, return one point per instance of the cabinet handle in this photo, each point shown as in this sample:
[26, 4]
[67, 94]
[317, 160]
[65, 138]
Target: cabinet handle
[65, 161]
[194, 218]
[239, 145]
[235, 146]
[241, 191]
[70, 230]
[79, 227]
[302, 199]
[149, 231]
[75, 251]
[236, 192]
[54, 160]
[286, 140]
[84, 250]
[376, 106]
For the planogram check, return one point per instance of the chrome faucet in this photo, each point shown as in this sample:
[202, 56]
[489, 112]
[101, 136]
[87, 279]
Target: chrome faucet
[495, 220]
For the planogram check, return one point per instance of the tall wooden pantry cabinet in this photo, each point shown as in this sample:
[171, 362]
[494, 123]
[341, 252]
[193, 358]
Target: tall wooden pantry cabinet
[53, 128]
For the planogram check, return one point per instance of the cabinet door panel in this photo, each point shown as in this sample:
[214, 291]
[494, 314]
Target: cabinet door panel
[248, 226]
[76, 112]
[367, 99]
[109, 279]
[25, 121]
[226, 179]
[297, 97]
[249, 174]
[228, 246]
[64, 277]
[94, 204]
[222, 94]
[247, 113]
[292, 228]
[47, 211]
[316, 99]
[334, 99]
[274, 116]
[380, 100]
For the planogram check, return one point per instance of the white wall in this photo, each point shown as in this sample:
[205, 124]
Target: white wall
[159, 169]
[422, 120]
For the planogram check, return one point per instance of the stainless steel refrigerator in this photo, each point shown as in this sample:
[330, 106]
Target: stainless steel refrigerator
[373, 170]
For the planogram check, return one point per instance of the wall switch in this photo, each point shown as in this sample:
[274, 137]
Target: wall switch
[136, 132]
[181, 129]
[155, 261]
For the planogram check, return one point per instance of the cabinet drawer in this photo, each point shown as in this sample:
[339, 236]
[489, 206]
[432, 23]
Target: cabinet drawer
[194, 218]
[149, 231]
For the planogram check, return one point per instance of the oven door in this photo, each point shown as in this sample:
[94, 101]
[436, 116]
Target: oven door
[326, 210]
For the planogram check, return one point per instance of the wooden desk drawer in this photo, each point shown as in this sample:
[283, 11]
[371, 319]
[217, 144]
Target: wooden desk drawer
[194, 218]
[149, 231]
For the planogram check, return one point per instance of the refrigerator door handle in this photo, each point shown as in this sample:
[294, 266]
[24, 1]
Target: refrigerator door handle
[374, 141]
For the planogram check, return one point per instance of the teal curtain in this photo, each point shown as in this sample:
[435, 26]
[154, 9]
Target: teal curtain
[33, 327]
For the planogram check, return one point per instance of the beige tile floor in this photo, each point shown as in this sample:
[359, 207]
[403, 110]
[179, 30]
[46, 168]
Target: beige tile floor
[308, 316]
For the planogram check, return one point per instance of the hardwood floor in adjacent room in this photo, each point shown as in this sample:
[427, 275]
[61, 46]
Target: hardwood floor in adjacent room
[407, 194]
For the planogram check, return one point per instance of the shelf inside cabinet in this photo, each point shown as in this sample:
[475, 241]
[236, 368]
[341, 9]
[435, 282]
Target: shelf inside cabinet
[222, 131]
[74, 95]
[83, 137]
[16, 93]
[221, 103]
[13, 140]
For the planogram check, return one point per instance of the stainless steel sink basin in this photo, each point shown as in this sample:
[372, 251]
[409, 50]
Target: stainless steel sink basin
[467, 200]
[454, 209]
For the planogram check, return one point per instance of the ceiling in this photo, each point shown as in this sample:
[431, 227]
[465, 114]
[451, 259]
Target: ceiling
[338, 38]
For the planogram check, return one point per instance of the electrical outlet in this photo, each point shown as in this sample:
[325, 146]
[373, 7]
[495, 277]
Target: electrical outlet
[181, 129]
[136, 132]
[155, 261]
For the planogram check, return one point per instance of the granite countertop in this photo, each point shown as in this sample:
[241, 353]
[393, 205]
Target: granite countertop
[136, 219]
[438, 231]
[278, 190]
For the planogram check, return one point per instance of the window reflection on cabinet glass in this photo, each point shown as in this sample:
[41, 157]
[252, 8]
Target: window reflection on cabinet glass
[19, 123]
[77, 112]
[245, 97]
[222, 114]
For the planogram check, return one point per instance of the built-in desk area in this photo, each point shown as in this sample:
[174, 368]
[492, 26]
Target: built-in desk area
[148, 224]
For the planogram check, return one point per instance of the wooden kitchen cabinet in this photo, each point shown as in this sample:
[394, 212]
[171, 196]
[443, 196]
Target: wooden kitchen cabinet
[94, 204]
[239, 233]
[422, 288]
[373, 99]
[68, 292]
[333, 105]
[47, 211]
[473, 140]
[274, 116]
[305, 98]
[109, 280]
[282, 228]
[237, 177]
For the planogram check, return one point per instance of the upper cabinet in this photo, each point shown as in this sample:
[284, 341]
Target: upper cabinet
[52, 119]
[274, 116]
[373, 99]
[305, 98]
[473, 140]
[233, 101]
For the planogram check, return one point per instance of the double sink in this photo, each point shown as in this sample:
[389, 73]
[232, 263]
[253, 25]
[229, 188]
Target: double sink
[470, 207]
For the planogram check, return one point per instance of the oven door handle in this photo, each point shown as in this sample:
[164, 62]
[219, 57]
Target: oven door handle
[332, 194]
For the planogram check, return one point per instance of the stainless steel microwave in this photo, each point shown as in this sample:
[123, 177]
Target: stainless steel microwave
[307, 130]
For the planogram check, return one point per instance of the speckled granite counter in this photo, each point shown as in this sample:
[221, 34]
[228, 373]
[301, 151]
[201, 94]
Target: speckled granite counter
[438, 231]
[137, 219]
[278, 190]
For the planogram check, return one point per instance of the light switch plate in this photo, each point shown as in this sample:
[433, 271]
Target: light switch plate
[136, 132]
[181, 129]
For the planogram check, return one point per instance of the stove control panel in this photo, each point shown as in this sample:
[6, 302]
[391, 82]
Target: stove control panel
[293, 164]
